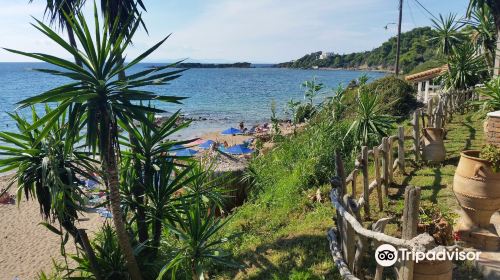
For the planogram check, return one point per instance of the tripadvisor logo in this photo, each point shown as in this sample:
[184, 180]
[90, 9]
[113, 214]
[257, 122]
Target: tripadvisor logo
[387, 255]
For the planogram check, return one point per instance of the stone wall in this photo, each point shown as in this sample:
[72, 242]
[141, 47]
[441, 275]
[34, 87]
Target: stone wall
[492, 128]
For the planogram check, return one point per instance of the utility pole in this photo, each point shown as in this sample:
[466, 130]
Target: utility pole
[398, 48]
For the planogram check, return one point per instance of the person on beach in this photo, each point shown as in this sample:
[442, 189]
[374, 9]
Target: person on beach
[242, 126]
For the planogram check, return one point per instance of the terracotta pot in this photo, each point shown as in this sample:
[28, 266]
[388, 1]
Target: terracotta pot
[433, 149]
[477, 189]
[435, 270]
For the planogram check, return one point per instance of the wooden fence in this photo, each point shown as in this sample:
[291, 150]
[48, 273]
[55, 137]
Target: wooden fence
[350, 241]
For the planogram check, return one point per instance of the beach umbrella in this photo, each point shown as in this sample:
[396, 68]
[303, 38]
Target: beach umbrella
[206, 145]
[176, 148]
[186, 153]
[231, 131]
[238, 150]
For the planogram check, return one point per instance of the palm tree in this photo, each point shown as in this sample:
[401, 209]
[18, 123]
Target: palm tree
[494, 6]
[56, 10]
[99, 99]
[447, 33]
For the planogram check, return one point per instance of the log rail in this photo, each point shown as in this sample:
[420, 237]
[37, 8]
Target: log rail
[350, 240]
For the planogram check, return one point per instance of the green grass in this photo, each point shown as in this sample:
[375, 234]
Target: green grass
[283, 233]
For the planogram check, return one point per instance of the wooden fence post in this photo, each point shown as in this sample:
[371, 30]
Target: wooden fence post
[429, 112]
[366, 183]
[401, 149]
[438, 119]
[410, 222]
[354, 181]
[339, 166]
[390, 156]
[385, 165]
[376, 160]
[416, 134]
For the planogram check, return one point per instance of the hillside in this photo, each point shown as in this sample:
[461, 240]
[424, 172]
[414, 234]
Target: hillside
[415, 50]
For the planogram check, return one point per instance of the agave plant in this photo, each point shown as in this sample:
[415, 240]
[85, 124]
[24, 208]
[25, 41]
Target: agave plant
[47, 169]
[99, 98]
[369, 122]
[197, 230]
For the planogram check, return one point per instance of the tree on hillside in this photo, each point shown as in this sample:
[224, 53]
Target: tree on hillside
[494, 5]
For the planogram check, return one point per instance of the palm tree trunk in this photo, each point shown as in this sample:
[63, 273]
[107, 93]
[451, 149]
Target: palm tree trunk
[138, 191]
[157, 228]
[110, 165]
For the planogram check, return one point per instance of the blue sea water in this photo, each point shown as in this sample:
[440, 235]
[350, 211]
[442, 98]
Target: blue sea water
[221, 97]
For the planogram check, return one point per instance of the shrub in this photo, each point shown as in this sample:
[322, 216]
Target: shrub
[491, 153]
[304, 112]
[397, 94]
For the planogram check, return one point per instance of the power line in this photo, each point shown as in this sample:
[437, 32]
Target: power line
[411, 13]
[429, 12]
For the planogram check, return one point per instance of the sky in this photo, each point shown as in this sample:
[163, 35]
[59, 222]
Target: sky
[257, 31]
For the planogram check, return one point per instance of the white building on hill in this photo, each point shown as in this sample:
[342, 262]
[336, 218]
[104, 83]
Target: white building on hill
[325, 55]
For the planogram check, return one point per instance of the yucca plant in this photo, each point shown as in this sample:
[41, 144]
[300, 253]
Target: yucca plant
[110, 260]
[197, 229]
[369, 123]
[147, 145]
[466, 68]
[46, 168]
[482, 33]
[494, 8]
[447, 33]
[98, 98]
[491, 92]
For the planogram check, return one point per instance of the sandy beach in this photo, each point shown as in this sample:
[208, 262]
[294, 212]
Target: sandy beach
[26, 247]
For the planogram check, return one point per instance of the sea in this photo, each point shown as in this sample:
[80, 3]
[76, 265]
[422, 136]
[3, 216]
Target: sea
[217, 98]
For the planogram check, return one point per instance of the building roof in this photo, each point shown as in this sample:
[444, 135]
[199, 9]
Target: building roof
[427, 74]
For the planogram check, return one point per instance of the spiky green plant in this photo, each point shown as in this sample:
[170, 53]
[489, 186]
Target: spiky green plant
[369, 123]
[491, 92]
[447, 33]
[197, 230]
[466, 68]
[99, 98]
[46, 168]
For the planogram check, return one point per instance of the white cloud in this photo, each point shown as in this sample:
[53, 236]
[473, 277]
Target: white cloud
[263, 30]
[236, 30]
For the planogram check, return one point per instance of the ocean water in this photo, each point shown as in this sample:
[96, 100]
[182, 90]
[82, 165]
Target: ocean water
[219, 97]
